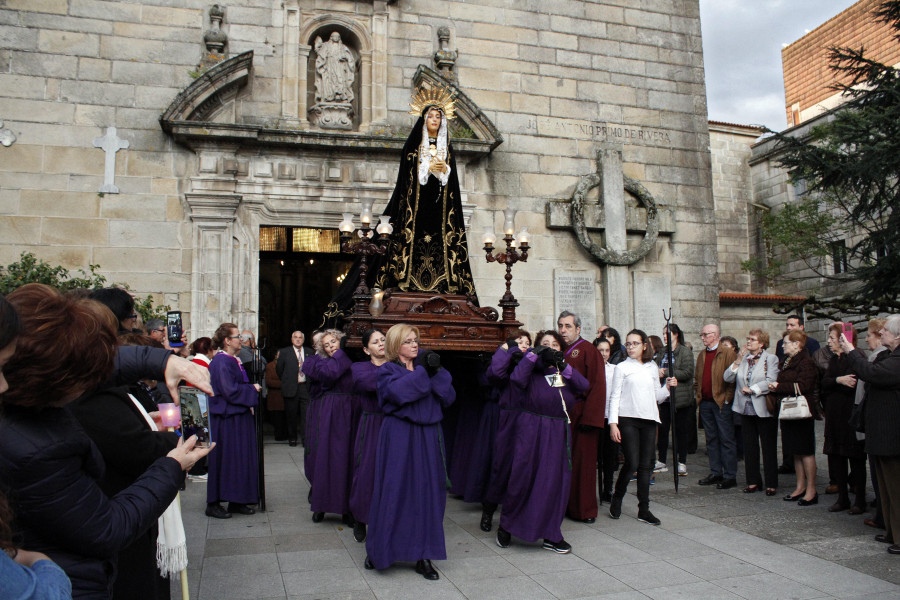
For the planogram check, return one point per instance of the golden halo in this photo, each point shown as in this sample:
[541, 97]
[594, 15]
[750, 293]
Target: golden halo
[436, 96]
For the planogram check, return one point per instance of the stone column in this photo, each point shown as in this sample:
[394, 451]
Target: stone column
[302, 84]
[616, 290]
[378, 63]
[291, 66]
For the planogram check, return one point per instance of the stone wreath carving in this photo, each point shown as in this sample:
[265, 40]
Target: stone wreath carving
[606, 255]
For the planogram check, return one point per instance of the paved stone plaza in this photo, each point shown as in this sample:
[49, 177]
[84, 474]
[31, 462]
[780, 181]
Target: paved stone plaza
[712, 544]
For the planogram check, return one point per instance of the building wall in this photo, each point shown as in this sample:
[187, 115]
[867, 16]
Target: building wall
[558, 80]
[807, 73]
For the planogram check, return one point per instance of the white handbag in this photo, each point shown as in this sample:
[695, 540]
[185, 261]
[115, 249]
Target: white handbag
[794, 407]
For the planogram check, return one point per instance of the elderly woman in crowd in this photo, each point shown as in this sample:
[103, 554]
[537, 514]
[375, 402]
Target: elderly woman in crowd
[233, 469]
[839, 396]
[633, 420]
[876, 349]
[331, 442]
[66, 349]
[798, 436]
[882, 422]
[406, 518]
[541, 474]
[752, 372]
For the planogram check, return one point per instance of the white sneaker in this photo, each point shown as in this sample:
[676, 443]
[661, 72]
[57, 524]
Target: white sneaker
[660, 467]
[682, 470]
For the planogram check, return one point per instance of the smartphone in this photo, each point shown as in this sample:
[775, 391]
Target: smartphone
[174, 329]
[847, 330]
[195, 415]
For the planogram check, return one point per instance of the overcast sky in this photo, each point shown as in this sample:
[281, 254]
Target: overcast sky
[742, 41]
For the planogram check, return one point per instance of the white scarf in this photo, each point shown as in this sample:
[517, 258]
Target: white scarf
[171, 543]
[425, 155]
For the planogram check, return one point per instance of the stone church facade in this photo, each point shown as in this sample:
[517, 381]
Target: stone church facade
[160, 139]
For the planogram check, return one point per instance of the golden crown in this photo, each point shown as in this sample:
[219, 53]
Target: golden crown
[440, 97]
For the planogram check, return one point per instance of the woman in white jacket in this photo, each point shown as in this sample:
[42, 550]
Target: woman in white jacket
[752, 371]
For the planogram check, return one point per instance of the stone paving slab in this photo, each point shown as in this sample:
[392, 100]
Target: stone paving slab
[712, 544]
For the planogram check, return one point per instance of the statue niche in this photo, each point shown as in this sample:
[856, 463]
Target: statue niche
[335, 82]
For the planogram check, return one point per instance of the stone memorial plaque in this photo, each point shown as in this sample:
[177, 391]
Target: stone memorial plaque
[576, 292]
[652, 295]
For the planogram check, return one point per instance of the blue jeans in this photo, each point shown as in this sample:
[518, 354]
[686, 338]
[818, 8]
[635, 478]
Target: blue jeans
[720, 443]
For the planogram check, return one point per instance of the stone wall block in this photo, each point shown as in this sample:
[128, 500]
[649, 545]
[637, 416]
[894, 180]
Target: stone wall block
[22, 86]
[21, 157]
[9, 201]
[68, 43]
[145, 234]
[605, 13]
[91, 92]
[554, 39]
[56, 203]
[466, 11]
[58, 7]
[548, 186]
[138, 260]
[503, 33]
[18, 37]
[66, 230]
[156, 32]
[146, 74]
[94, 69]
[528, 104]
[172, 53]
[20, 230]
[549, 86]
[105, 10]
[193, 18]
[573, 59]
[648, 20]
[578, 26]
[123, 206]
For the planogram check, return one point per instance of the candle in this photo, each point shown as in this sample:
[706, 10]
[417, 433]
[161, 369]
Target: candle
[170, 415]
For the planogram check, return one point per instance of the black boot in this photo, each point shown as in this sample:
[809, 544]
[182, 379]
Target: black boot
[424, 568]
[359, 531]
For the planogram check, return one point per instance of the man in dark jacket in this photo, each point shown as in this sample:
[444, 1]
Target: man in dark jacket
[882, 423]
[293, 386]
[714, 396]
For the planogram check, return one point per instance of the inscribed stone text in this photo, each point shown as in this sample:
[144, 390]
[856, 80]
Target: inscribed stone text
[575, 291]
[600, 131]
[652, 295]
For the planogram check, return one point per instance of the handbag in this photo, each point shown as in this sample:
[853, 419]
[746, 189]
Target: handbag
[794, 407]
[857, 420]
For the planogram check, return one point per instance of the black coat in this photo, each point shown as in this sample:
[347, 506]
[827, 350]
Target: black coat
[882, 409]
[50, 471]
[799, 369]
[288, 369]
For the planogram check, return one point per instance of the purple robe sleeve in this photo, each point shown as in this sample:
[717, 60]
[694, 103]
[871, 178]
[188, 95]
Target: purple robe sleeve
[442, 387]
[365, 377]
[234, 395]
[328, 371]
[398, 386]
[521, 375]
[498, 371]
[577, 381]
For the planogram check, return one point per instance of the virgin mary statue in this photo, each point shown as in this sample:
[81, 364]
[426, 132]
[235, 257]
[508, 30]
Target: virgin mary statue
[428, 250]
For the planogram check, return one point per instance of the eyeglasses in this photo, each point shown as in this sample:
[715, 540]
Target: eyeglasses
[161, 330]
[410, 342]
[633, 344]
[131, 316]
[233, 337]
[707, 334]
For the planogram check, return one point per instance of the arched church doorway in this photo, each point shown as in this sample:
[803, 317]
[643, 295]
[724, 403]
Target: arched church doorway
[300, 269]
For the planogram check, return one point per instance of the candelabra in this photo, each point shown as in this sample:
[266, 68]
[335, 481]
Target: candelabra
[366, 246]
[512, 255]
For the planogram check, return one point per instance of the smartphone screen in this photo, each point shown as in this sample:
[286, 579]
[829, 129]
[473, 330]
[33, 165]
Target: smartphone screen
[195, 415]
[174, 329]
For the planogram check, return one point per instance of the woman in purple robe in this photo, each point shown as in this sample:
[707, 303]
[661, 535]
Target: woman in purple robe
[233, 468]
[365, 375]
[330, 442]
[505, 358]
[406, 517]
[541, 473]
[312, 415]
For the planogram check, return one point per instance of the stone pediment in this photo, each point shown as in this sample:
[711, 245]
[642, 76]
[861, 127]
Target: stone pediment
[199, 117]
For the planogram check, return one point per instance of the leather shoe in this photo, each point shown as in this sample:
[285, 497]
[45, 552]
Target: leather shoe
[751, 489]
[790, 498]
[883, 538]
[814, 500]
[359, 531]
[487, 520]
[292, 443]
[615, 507]
[726, 484]
[831, 489]
[424, 568]
[710, 479]
[895, 549]
[857, 510]
[368, 564]
[872, 523]
[217, 512]
[770, 491]
[318, 517]
[838, 507]
[241, 509]
[589, 520]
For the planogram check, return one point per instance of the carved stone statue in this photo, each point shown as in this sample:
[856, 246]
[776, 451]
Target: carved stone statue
[335, 74]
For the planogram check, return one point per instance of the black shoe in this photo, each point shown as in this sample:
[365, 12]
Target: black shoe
[359, 531]
[606, 497]
[785, 470]
[368, 564]
[589, 520]
[241, 509]
[883, 538]
[424, 568]
[503, 537]
[710, 479]
[318, 517]
[347, 519]
[790, 498]
[217, 512]
[561, 547]
[487, 520]
[815, 500]
[292, 443]
[646, 516]
[615, 507]
[726, 484]
[895, 549]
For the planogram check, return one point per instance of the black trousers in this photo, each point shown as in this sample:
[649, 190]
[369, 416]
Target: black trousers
[607, 462]
[855, 478]
[684, 418]
[295, 413]
[638, 445]
[760, 433]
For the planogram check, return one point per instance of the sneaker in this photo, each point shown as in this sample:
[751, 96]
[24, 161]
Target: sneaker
[561, 547]
[615, 507]
[660, 467]
[633, 476]
[653, 480]
[645, 516]
[503, 537]
[682, 470]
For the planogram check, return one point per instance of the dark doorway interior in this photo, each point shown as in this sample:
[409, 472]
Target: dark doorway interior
[296, 282]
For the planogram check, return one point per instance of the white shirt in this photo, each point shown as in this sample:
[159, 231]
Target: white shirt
[613, 385]
[639, 392]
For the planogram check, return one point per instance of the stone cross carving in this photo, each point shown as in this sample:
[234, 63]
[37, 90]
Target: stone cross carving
[110, 144]
[335, 74]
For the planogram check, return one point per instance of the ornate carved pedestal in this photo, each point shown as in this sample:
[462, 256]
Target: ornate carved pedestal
[445, 322]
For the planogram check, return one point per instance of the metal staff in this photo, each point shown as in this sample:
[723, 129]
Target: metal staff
[670, 360]
[257, 377]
